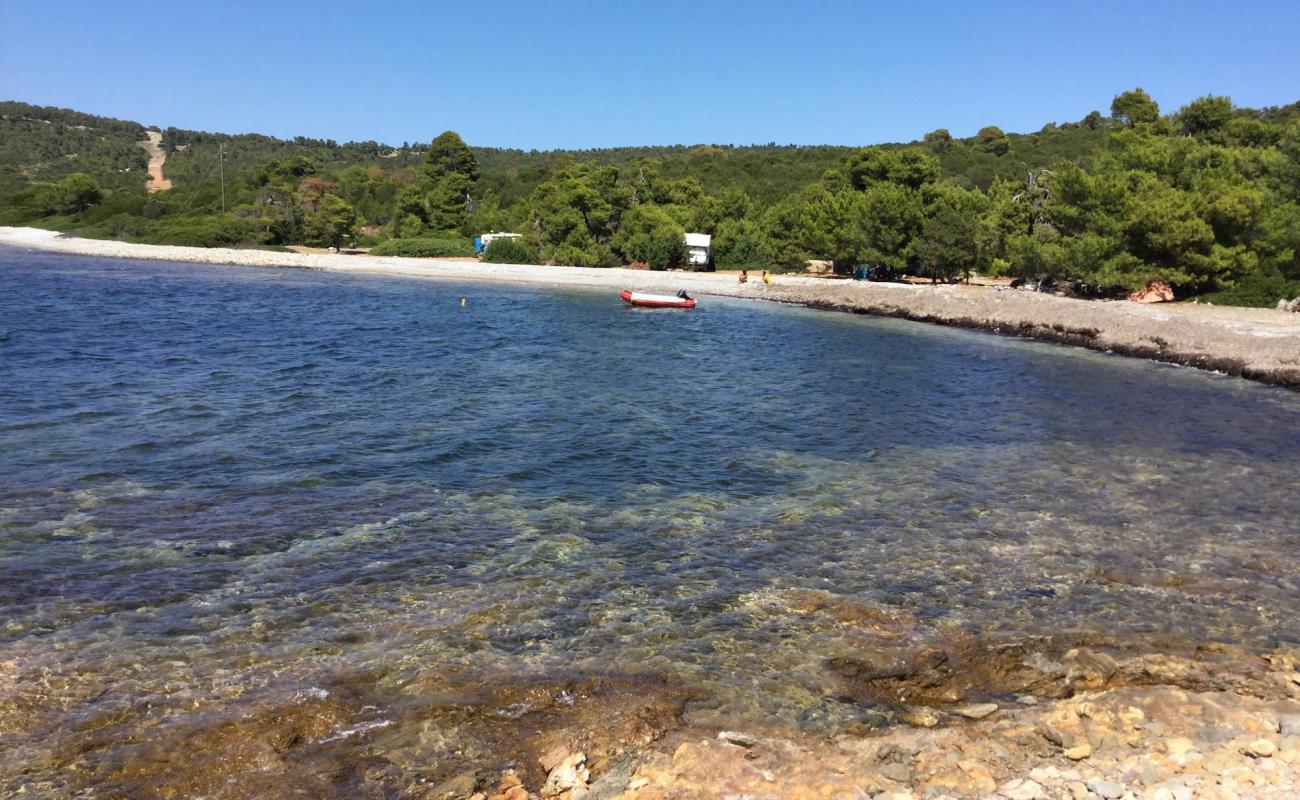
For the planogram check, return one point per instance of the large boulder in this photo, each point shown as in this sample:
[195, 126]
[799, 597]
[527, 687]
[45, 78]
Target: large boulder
[1155, 292]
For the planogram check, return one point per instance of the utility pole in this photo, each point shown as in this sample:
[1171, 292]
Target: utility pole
[221, 161]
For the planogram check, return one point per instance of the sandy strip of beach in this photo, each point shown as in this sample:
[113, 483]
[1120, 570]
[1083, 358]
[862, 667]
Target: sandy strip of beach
[1259, 344]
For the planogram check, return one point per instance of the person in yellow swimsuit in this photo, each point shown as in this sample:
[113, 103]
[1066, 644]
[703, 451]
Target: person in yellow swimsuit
[767, 278]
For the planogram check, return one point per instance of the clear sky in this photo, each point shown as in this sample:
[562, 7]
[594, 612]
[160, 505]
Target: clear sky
[556, 73]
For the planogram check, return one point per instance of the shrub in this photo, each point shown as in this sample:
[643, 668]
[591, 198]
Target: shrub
[1258, 289]
[664, 249]
[509, 251]
[215, 231]
[744, 251]
[593, 255]
[425, 248]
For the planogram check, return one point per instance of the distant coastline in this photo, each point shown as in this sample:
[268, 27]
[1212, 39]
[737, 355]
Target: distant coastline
[1257, 344]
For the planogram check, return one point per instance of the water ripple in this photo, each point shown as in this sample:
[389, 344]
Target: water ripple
[220, 477]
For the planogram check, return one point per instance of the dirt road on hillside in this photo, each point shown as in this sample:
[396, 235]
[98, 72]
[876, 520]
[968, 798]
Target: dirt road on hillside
[153, 146]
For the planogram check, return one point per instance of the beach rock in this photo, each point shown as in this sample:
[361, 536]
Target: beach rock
[1261, 748]
[510, 788]
[552, 758]
[1078, 752]
[1154, 292]
[895, 763]
[977, 776]
[1023, 789]
[1078, 790]
[1088, 670]
[568, 779]
[921, 717]
[738, 738]
[897, 771]
[976, 711]
[1108, 790]
[459, 786]
[512, 793]
[1288, 724]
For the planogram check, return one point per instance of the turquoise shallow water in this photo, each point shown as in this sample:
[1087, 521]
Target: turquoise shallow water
[216, 482]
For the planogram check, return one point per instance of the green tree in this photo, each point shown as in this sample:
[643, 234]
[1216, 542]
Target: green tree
[448, 154]
[576, 211]
[452, 168]
[77, 192]
[650, 234]
[1134, 107]
[447, 203]
[741, 244]
[819, 223]
[991, 139]
[908, 166]
[938, 140]
[946, 245]
[1206, 116]
[273, 218]
[332, 223]
[889, 216]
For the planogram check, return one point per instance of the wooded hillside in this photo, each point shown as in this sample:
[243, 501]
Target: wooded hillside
[1207, 198]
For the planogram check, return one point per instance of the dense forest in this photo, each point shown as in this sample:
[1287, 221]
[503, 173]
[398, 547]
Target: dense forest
[1206, 198]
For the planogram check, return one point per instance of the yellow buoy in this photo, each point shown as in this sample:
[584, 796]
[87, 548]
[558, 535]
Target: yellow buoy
[462, 301]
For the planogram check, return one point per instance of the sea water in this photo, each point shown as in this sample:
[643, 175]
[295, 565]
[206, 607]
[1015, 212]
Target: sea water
[228, 489]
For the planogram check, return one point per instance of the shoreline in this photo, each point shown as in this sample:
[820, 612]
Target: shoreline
[1077, 720]
[1261, 345]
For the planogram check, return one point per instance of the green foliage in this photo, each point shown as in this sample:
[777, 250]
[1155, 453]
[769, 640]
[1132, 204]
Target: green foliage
[77, 192]
[1134, 107]
[741, 244]
[449, 155]
[509, 251]
[425, 248]
[215, 231]
[405, 226]
[650, 234]
[819, 222]
[909, 166]
[576, 212]
[946, 246]
[992, 140]
[1206, 116]
[451, 170]
[1208, 198]
[331, 223]
[938, 140]
[44, 145]
[1261, 289]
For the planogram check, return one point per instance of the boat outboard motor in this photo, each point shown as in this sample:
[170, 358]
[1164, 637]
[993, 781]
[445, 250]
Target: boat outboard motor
[682, 294]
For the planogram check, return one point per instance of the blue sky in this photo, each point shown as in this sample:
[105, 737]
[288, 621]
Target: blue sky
[569, 74]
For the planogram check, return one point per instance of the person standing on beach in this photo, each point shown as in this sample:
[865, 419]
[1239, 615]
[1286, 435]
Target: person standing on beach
[767, 278]
[744, 275]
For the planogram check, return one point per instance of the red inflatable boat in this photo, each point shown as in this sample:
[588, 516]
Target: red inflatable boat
[680, 300]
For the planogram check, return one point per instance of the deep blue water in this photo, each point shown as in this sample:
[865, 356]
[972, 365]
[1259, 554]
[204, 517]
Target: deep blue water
[252, 471]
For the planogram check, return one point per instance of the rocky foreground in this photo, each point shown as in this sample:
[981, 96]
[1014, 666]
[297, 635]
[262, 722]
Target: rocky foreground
[1259, 344]
[1154, 727]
